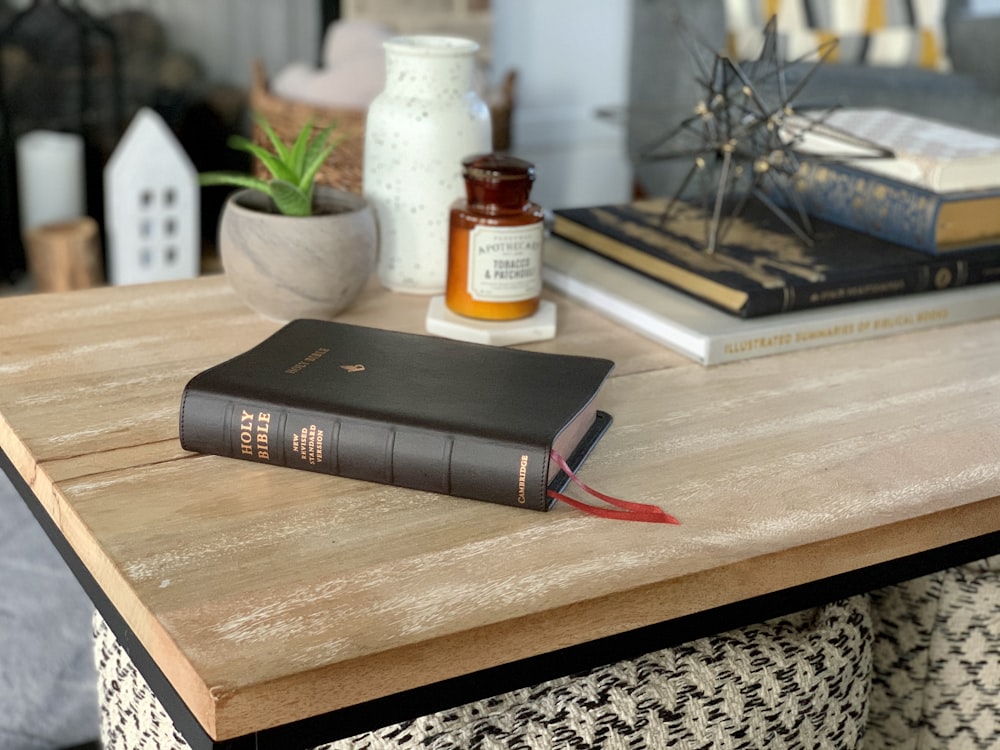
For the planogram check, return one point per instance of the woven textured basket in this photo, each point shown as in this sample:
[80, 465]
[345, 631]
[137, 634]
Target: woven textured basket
[343, 168]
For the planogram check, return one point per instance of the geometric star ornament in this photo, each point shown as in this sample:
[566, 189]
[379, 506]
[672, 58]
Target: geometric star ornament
[746, 141]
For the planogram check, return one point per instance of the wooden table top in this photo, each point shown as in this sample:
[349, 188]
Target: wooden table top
[266, 595]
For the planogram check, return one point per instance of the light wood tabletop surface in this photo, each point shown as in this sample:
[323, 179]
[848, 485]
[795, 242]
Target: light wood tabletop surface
[267, 595]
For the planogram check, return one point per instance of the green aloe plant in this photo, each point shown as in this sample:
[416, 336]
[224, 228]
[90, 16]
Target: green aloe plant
[293, 166]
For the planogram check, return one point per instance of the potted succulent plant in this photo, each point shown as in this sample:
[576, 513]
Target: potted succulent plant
[292, 248]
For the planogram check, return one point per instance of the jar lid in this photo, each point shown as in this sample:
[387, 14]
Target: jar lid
[497, 168]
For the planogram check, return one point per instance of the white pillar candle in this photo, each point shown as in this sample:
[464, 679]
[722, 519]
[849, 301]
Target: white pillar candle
[50, 178]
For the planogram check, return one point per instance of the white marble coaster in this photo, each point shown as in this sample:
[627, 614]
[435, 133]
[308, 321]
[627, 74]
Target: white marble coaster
[443, 322]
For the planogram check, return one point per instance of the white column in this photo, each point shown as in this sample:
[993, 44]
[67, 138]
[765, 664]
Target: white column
[572, 58]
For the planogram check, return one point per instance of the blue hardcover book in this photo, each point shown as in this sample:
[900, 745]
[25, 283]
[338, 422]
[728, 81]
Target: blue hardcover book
[896, 211]
[939, 192]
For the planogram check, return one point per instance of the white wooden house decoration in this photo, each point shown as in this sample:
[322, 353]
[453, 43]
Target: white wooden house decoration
[151, 206]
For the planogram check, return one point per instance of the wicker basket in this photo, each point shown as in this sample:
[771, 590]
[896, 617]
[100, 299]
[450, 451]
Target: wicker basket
[343, 168]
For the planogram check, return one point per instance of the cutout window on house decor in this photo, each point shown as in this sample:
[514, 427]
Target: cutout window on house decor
[908, 33]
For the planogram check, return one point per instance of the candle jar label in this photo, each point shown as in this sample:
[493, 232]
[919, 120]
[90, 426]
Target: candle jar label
[505, 262]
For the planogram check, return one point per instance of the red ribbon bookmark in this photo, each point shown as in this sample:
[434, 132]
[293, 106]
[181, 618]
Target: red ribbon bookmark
[629, 511]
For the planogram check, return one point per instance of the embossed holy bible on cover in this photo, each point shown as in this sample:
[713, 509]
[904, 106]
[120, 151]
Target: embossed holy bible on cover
[403, 409]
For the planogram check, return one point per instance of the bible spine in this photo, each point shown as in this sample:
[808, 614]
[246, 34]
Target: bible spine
[405, 456]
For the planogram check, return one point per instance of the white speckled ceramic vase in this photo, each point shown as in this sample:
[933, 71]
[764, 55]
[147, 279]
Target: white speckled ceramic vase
[417, 132]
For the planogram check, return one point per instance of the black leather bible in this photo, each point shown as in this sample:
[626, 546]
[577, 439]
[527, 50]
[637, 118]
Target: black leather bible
[409, 410]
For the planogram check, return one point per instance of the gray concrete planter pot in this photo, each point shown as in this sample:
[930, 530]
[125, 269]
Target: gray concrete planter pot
[288, 267]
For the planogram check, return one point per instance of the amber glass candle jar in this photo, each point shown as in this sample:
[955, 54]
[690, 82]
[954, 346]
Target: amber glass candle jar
[495, 241]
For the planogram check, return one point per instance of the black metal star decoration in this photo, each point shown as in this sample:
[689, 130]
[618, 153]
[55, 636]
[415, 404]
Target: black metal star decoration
[747, 131]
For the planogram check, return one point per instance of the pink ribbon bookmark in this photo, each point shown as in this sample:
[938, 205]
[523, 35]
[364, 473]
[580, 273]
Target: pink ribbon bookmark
[630, 511]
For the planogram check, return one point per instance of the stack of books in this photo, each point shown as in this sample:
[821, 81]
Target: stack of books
[764, 291]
